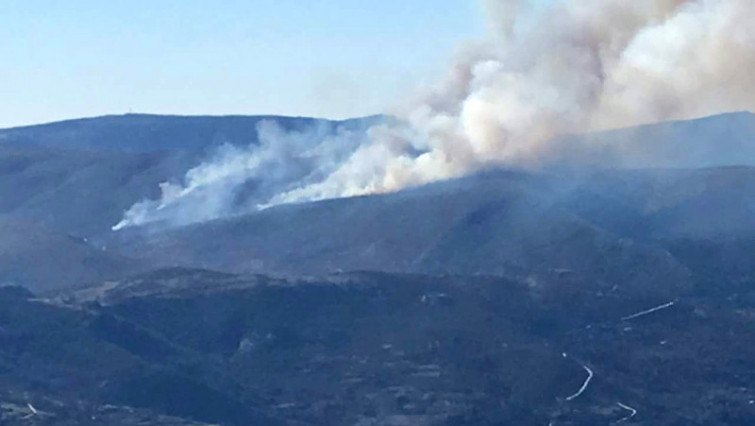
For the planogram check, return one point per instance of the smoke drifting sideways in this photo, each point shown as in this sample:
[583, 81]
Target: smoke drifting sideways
[242, 179]
[572, 67]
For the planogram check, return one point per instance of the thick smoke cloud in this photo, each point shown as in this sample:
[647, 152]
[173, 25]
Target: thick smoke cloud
[574, 67]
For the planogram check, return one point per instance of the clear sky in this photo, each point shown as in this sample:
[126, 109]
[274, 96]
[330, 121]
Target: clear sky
[328, 58]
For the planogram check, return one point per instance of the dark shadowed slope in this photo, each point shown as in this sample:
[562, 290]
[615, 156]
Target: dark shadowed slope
[715, 203]
[40, 258]
[67, 361]
[386, 350]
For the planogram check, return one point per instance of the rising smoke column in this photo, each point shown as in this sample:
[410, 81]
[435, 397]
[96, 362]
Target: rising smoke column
[576, 67]
[573, 67]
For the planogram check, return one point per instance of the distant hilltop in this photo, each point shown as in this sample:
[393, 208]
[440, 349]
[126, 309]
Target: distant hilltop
[148, 132]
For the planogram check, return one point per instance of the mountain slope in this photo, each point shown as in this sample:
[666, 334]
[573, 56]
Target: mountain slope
[611, 228]
[565, 297]
[720, 140]
[85, 358]
[79, 192]
[63, 183]
[39, 258]
[145, 132]
[496, 223]
[79, 176]
[386, 350]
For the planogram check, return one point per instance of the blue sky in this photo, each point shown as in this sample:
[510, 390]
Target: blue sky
[332, 58]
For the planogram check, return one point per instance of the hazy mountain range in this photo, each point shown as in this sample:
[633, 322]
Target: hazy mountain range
[479, 300]
[76, 178]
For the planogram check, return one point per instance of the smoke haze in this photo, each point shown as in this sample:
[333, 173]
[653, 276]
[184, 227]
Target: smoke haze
[574, 67]
[239, 179]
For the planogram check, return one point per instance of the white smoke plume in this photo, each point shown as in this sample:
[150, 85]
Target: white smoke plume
[572, 67]
[236, 180]
[576, 67]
